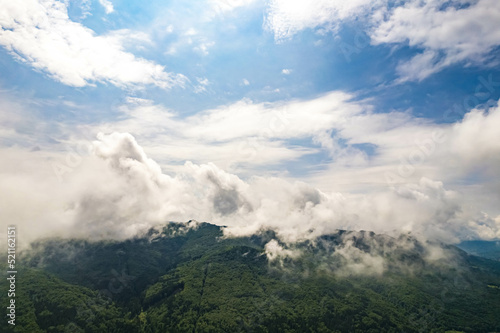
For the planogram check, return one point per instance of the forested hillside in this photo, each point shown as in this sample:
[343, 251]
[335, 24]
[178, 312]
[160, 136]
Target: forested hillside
[183, 279]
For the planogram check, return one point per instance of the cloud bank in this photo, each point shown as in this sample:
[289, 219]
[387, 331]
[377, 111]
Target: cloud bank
[118, 192]
[434, 180]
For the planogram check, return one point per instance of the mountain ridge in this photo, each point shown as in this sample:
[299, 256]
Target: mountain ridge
[181, 279]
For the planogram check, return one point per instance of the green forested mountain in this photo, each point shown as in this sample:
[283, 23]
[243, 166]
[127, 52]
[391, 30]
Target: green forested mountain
[193, 280]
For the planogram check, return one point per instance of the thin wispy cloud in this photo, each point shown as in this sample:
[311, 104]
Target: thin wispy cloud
[444, 33]
[229, 5]
[446, 36]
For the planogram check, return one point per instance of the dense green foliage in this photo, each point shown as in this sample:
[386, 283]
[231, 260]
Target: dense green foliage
[193, 280]
[44, 303]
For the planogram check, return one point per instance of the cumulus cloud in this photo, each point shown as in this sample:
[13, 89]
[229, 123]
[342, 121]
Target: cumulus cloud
[41, 34]
[405, 149]
[119, 191]
[434, 180]
[476, 139]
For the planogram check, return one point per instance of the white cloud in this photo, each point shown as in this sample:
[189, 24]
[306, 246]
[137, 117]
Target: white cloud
[445, 32]
[243, 136]
[108, 6]
[451, 35]
[362, 151]
[118, 191]
[42, 35]
[85, 7]
[420, 66]
[246, 143]
[463, 155]
[275, 251]
[247, 138]
[202, 85]
[128, 38]
[245, 82]
[203, 47]
[222, 6]
[190, 39]
[287, 17]
[475, 141]
[286, 71]
[191, 32]
[294, 119]
[356, 261]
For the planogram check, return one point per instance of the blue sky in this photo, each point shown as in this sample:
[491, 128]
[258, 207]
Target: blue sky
[374, 102]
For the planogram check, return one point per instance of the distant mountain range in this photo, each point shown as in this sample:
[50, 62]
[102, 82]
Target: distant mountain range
[185, 278]
[486, 249]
